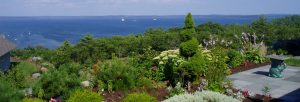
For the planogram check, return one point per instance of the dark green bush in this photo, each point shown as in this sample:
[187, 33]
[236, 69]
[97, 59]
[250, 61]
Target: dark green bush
[84, 96]
[235, 58]
[71, 68]
[56, 83]
[8, 91]
[139, 97]
[189, 48]
[118, 74]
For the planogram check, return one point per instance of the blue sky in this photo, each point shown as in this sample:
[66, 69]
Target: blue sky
[146, 7]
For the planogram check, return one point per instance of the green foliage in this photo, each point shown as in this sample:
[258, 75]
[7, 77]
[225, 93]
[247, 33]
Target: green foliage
[293, 62]
[279, 52]
[199, 62]
[235, 58]
[188, 31]
[266, 90]
[84, 96]
[189, 48]
[217, 70]
[56, 83]
[8, 91]
[63, 54]
[187, 34]
[189, 22]
[139, 97]
[37, 51]
[204, 96]
[20, 75]
[32, 100]
[71, 68]
[255, 57]
[118, 74]
[211, 28]
[161, 40]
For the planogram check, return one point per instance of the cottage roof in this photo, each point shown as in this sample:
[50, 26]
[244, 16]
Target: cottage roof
[5, 46]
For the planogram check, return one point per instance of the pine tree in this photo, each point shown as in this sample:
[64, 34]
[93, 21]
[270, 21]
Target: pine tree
[188, 31]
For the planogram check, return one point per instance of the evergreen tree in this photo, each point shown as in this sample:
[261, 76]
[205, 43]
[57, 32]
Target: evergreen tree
[189, 22]
[189, 44]
[63, 54]
[188, 31]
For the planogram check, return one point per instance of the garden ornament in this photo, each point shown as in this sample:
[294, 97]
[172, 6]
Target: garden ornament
[277, 66]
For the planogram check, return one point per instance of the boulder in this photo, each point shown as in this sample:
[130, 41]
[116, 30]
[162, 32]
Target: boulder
[85, 83]
[43, 69]
[35, 75]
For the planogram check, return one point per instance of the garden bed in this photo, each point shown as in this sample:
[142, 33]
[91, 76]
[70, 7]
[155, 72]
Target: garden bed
[247, 66]
[261, 98]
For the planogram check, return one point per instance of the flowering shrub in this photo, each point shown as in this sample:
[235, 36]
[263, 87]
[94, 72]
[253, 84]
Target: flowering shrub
[204, 96]
[161, 60]
[214, 41]
[251, 46]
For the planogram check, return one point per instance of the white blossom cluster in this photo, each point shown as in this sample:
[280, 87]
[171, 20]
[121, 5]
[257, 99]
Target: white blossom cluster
[214, 41]
[250, 42]
[164, 56]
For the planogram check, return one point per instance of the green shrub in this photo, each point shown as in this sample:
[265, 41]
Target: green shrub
[85, 96]
[8, 91]
[32, 100]
[20, 75]
[27, 67]
[189, 48]
[139, 97]
[255, 57]
[217, 70]
[56, 83]
[71, 68]
[204, 96]
[118, 74]
[235, 58]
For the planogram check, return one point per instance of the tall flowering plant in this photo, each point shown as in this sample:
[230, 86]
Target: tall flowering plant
[213, 41]
[162, 59]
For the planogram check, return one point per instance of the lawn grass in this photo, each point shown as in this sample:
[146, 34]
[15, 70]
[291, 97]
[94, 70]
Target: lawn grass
[293, 62]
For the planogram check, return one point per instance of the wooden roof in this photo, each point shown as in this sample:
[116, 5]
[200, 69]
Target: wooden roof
[5, 46]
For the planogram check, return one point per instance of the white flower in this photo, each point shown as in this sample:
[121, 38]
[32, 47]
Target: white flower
[161, 62]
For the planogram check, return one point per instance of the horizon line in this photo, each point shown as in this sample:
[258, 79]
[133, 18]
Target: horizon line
[142, 15]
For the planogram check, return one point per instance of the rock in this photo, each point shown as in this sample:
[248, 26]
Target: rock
[43, 69]
[35, 75]
[85, 83]
[36, 58]
[27, 91]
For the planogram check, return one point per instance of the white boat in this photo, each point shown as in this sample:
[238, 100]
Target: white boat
[122, 19]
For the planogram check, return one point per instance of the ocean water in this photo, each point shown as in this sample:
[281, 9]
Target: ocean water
[50, 32]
